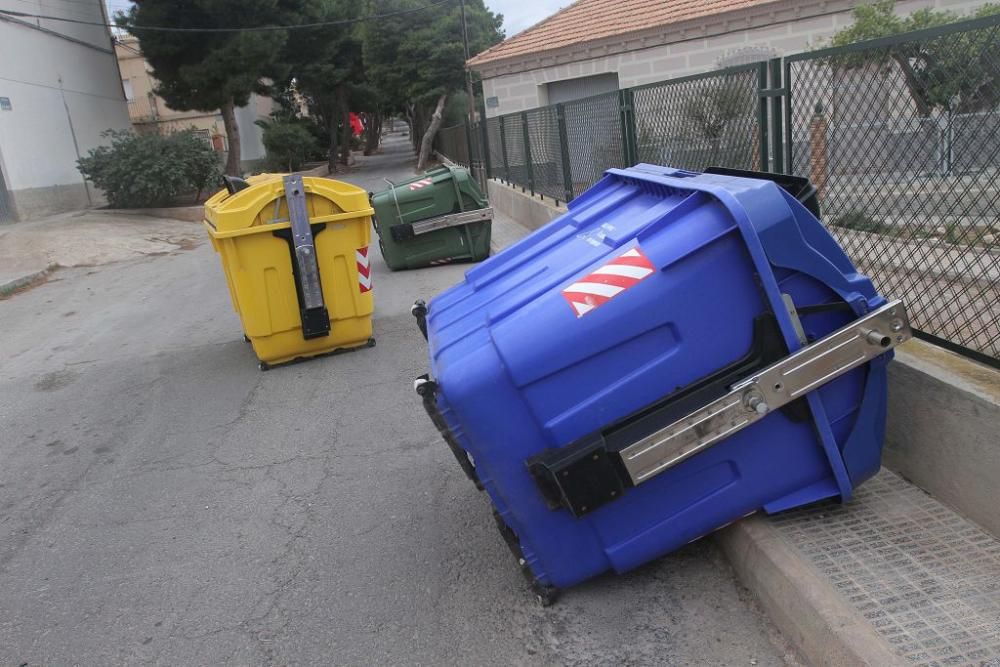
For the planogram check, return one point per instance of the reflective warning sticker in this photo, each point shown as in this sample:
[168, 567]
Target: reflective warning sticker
[364, 269]
[624, 271]
[422, 183]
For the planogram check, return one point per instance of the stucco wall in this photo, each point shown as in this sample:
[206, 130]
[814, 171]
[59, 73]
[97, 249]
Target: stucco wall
[785, 31]
[63, 95]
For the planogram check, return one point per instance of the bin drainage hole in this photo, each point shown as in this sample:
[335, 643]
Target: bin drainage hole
[778, 386]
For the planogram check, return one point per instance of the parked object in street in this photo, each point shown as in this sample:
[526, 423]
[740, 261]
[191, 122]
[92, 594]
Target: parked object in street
[677, 351]
[295, 253]
[438, 218]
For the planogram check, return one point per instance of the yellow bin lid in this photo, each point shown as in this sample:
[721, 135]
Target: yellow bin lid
[262, 207]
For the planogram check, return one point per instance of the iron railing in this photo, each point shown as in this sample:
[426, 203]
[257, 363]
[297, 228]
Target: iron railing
[901, 137]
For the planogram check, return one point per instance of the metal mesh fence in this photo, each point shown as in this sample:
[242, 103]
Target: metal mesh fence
[453, 142]
[902, 139]
[594, 137]
[702, 121]
[546, 152]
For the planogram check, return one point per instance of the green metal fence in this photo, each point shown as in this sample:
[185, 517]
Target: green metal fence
[901, 136]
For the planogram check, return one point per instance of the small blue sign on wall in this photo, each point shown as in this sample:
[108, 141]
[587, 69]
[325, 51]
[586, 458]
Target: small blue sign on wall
[5, 104]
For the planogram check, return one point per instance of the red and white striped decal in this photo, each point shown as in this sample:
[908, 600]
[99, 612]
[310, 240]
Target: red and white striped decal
[364, 269]
[624, 271]
[422, 183]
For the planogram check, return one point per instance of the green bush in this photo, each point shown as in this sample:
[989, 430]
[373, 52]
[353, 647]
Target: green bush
[144, 170]
[288, 144]
[857, 220]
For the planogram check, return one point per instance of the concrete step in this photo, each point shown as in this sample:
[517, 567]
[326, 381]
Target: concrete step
[892, 577]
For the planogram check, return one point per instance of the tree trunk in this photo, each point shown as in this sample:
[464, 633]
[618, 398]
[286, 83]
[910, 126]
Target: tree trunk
[348, 131]
[918, 94]
[428, 139]
[417, 127]
[373, 133]
[232, 137]
[332, 149]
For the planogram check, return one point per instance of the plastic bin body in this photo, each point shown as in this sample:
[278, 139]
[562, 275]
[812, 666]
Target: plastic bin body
[256, 255]
[438, 192]
[523, 364]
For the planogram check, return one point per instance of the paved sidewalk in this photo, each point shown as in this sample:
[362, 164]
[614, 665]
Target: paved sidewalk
[28, 250]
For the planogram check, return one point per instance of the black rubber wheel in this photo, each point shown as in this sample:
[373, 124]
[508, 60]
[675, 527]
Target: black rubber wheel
[546, 595]
[246, 338]
[264, 366]
[371, 342]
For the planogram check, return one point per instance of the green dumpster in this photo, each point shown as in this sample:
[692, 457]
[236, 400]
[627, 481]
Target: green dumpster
[437, 218]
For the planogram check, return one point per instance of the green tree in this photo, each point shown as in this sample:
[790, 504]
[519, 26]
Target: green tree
[954, 73]
[326, 66]
[212, 71]
[419, 59]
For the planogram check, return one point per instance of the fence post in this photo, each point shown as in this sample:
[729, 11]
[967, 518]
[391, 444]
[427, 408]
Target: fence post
[468, 145]
[817, 151]
[626, 106]
[764, 155]
[503, 151]
[777, 134]
[485, 143]
[567, 169]
[527, 151]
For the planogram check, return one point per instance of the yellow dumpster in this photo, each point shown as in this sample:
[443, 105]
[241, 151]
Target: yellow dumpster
[295, 253]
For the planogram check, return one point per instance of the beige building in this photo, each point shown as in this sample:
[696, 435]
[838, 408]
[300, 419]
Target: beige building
[149, 113]
[59, 91]
[596, 46]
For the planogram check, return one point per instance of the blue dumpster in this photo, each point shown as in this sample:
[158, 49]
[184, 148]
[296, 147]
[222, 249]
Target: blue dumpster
[677, 351]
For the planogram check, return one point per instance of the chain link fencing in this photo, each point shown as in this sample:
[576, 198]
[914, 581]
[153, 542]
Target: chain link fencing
[901, 137]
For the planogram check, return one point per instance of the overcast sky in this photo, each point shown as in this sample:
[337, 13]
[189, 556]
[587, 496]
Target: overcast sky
[520, 14]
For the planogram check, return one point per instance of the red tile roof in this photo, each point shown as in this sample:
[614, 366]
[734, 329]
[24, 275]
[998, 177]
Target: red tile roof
[591, 20]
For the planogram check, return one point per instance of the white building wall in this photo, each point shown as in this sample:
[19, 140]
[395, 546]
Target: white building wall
[527, 90]
[63, 95]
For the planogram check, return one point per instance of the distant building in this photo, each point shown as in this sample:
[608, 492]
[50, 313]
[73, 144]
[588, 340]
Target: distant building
[59, 90]
[596, 46]
[149, 113]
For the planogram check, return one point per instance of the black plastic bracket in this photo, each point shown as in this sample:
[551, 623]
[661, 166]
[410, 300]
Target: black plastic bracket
[799, 187]
[402, 232]
[427, 390]
[546, 594]
[588, 473]
[419, 311]
[315, 321]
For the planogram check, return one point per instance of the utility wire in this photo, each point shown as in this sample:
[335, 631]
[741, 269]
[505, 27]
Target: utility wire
[263, 28]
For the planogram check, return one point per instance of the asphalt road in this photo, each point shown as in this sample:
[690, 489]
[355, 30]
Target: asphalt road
[164, 502]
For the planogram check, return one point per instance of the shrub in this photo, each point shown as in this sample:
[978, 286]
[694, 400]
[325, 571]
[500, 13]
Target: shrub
[143, 170]
[288, 144]
[859, 221]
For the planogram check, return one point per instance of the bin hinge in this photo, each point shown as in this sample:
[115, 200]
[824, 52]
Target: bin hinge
[593, 471]
[750, 400]
[406, 231]
[312, 309]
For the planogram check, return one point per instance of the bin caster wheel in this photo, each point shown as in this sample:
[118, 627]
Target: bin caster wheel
[246, 338]
[264, 366]
[371, 342]
[546, 595]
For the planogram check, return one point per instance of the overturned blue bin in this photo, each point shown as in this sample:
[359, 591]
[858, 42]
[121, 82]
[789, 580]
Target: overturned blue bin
[677, 351]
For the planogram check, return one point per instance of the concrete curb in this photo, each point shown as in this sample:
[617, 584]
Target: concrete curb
[803, 605]
[183, 213]
[9, 287]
